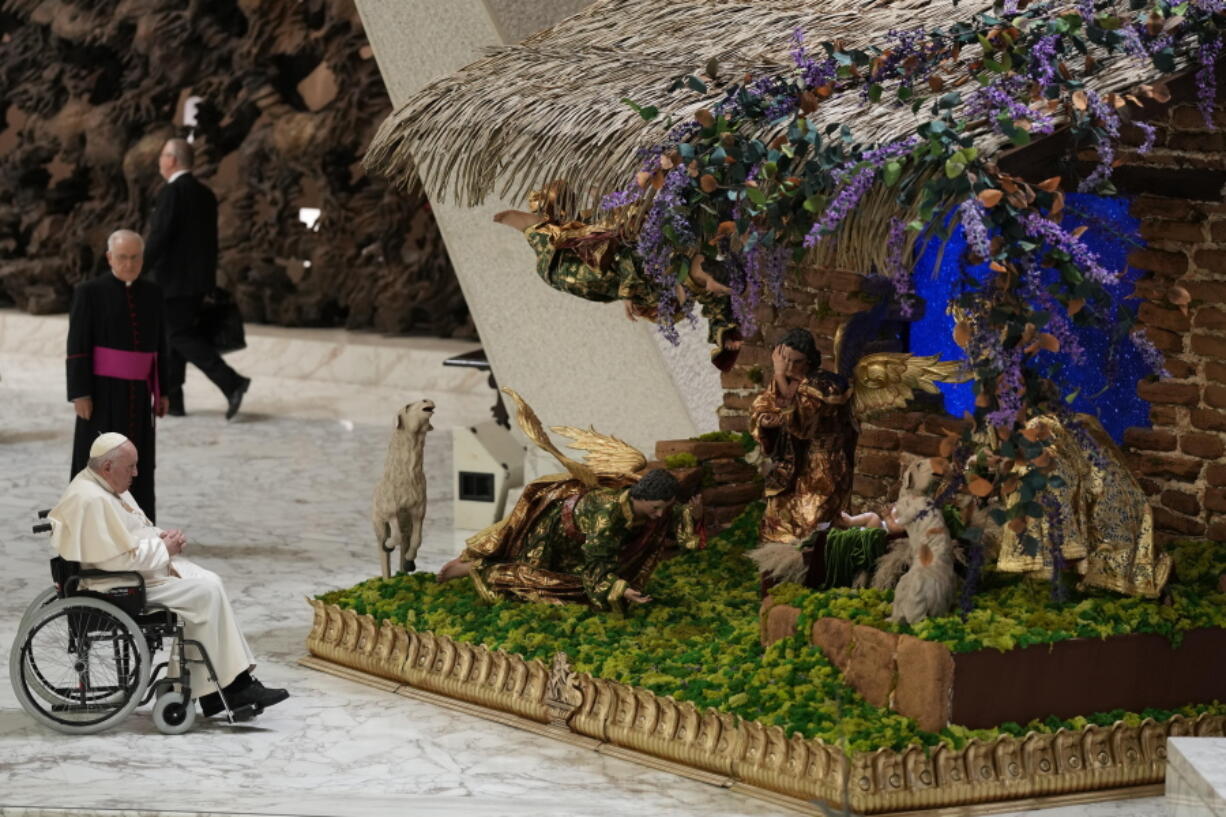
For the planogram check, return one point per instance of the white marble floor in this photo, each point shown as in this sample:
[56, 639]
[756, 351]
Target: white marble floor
[278, 506]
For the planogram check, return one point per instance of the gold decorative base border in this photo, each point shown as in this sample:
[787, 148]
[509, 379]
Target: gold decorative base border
[746, 755]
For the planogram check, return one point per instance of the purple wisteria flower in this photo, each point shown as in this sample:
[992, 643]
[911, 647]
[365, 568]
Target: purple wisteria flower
[1151, 133]
[1206, 78]
[746, 297]
[1085, 259]
[1151, 354]
[657, 251]
[897, 270]
[1058, 323]
[877, 157]
[759, 265]
[621, 198]
[815, 73]
[908, 59]
[1002, 96]
[973, 216]
[1042, 68]
[1108, 122]
[1010, 389]
[1134, 45]
[841, 206]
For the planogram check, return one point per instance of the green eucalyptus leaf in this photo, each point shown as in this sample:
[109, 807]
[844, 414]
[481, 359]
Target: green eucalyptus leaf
[892, 171]
[648, 112]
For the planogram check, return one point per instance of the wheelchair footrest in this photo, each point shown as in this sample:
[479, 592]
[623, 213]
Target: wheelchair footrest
[245, 713]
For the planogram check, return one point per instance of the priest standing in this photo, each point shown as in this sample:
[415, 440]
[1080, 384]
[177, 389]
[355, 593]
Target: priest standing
[117, 359]
[99, 524]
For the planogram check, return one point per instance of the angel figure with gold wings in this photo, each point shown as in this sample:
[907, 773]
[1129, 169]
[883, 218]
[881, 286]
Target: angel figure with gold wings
[595, 260]
[807, 421]
[592, 535]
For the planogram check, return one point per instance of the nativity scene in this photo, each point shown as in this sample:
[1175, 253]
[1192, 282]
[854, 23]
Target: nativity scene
[889, 341]
[914, 275]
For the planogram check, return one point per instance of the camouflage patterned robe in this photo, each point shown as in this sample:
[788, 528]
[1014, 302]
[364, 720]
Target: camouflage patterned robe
[604, 272]
[565, 543]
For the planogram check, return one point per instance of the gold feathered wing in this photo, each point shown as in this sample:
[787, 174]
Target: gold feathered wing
[607, 458]
[888, 380]
[528, 423]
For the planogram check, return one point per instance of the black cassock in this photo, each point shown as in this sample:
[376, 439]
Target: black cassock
[108, 313]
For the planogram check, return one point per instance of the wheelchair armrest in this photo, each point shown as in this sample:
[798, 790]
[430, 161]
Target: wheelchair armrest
[70, 585]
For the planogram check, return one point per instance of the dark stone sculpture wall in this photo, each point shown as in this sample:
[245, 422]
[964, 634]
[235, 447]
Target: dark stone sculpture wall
[90, 89]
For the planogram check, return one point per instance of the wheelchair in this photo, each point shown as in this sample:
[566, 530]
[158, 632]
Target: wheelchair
[82, 659]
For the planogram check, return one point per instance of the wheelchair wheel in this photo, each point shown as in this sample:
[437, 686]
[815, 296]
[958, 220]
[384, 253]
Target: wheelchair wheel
[174, 713]
[80, 666]
[40, 601]
[37, 682]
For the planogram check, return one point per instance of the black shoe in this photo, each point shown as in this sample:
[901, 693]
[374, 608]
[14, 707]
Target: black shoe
[257, 695]
[252, 694]
[176, 404]
[236, 397]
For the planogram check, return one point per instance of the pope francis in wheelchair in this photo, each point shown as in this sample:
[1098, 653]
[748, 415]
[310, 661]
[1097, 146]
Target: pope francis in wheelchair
[81, 661]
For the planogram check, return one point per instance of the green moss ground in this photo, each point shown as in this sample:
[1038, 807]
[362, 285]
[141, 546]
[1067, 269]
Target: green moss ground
[698, 640]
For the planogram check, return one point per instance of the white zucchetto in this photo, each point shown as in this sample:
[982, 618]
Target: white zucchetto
[106, 442]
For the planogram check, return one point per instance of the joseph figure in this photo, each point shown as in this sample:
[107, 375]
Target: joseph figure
[804, 423]
[564, 542]
[117, 360]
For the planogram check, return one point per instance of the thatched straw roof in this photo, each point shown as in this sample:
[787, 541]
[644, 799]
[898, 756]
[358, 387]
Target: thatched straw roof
[550, 107]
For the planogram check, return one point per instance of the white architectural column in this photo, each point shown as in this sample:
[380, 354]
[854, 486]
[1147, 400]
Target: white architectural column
[575, 362]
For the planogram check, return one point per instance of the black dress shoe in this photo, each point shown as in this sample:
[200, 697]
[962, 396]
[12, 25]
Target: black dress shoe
[236, 397]
[257, 695]
[252, 694]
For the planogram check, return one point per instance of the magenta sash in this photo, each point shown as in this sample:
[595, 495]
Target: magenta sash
[125, 365]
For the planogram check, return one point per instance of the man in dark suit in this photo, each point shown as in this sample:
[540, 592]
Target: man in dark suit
[181, 255]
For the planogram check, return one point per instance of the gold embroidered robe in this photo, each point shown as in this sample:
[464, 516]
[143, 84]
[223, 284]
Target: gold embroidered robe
[811, 445]
[1106, 521]
[582, 260]
[564, 543]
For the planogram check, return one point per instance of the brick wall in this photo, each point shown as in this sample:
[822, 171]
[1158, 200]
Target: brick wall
[1178, 199]
[1177, 192]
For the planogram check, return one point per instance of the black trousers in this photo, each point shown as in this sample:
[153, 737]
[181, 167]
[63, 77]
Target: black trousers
[188, 345]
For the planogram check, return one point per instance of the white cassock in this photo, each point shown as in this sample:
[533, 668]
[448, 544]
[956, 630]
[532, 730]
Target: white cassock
[107, 531]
